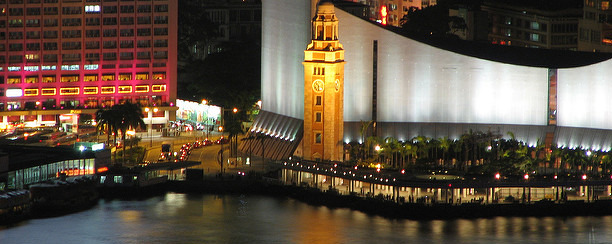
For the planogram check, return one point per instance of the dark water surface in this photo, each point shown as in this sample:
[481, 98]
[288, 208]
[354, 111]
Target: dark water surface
[189, 218]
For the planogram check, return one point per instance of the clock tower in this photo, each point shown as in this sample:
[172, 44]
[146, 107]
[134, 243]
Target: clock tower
[324, 88]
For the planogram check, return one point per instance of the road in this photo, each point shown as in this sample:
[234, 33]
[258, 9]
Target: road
[207, 155]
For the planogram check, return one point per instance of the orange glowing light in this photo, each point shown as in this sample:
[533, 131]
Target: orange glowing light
[383, 13]
[103, 169]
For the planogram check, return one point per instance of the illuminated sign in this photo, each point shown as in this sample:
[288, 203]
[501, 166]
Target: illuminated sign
[14, 93]
[383, 13]
[75, 111]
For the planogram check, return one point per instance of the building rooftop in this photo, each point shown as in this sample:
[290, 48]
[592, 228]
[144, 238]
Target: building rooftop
[22, 156]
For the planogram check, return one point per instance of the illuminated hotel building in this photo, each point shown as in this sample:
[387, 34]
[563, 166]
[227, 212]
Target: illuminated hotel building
[426, 87]
[63, 58]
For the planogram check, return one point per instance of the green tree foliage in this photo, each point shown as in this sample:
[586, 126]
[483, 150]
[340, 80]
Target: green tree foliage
[431, 20]
[230, 79]
[120, 118]
[195, 30]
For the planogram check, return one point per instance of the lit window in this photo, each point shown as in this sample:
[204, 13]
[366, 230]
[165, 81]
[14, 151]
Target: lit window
[13, 80]
[108, 77]
[158, 88]
[48, 67]
[90, 78]
[30, 68]
[142, 88]
[142, 76]
[69, 91]
[90, 90]
[48, 91]
[70, 67]
[31, 79]
[14, 68]
[107, 90]
[125, 89]
[125, 76]
[159, 76]
[70, 78]
[90, 67]
[31, 57]
[48, 79]
[14, 93]
[30, 92]
[92, 9]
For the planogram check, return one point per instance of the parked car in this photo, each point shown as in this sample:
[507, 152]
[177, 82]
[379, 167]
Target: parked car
[222, 140]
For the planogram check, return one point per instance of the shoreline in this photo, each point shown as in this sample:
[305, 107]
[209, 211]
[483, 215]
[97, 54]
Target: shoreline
[391, 209]
[68, 203]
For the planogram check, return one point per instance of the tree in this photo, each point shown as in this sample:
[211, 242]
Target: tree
[233, 126]
[105, 121]
[390, 149]
[362, 133]
[445, 145]
[195, 31]
[131, 117]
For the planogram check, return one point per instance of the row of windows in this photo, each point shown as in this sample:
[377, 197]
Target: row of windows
[86, 77]
[88, 90]
[68, 1]
[89, 33]
[74, 10]
[145, 20]
[76, 57]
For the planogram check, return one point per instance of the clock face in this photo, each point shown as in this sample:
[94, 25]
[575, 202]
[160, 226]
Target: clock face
[337, 85]
[318, 85]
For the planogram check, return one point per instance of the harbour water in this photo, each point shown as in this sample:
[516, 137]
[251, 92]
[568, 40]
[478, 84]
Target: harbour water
[196, 218]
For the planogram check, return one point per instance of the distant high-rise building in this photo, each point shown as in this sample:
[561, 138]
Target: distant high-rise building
[63, 58]
[554, 27]
[236, 20]
[595, 31]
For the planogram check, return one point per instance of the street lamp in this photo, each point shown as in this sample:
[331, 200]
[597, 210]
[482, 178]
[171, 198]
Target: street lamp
[36, 121]
[151, 122]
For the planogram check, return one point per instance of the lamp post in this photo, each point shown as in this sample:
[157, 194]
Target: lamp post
[36, 121]
[151, 123]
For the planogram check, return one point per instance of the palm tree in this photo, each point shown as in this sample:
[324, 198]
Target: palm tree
[390, 149]
[362, 132]
[105, 121]
[131, 117]
[234, 127]
[445, 144]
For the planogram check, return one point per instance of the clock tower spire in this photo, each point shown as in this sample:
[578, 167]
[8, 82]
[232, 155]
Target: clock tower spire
[324, 88]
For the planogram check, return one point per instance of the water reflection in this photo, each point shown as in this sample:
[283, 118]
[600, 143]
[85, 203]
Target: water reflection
[181, 218]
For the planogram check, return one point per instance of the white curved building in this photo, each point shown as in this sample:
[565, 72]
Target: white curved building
[439, 88]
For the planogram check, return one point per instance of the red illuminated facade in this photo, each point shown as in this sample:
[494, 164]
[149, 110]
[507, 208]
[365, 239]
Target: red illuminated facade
[61, 58]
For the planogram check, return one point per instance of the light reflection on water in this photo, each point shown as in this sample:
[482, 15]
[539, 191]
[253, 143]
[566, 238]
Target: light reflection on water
[182, 218]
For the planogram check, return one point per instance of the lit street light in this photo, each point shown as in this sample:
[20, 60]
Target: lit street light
[151, 122]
